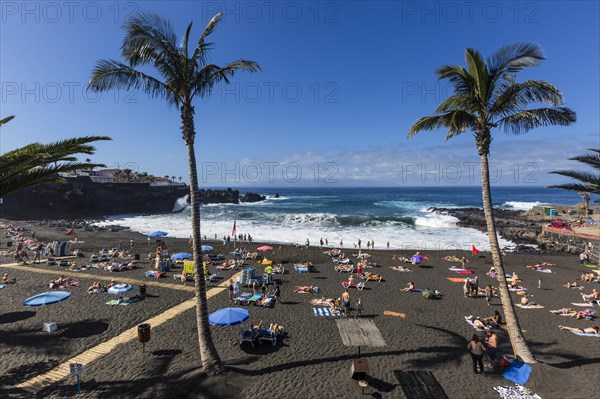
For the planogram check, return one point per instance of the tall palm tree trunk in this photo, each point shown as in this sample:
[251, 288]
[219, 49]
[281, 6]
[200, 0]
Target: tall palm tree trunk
[517, 340]
[211, 362]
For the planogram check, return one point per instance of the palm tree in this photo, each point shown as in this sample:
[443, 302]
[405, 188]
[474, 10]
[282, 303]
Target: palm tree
[41, 163]
[184, 75]
[486, 96]
[589, 182]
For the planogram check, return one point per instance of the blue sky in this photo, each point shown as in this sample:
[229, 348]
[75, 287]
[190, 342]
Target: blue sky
[341, 84]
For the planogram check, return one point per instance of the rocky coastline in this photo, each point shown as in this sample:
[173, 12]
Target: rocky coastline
[80, 198]
[524, 228]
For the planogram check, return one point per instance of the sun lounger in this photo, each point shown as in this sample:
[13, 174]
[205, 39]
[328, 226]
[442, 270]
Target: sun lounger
[249, 335]
[226, 267]
[344, 269]
[243, 298]
[188, 277]
[271, 334]
[372, 277]
[326, 312]
[212, 277]
[530, 306]
[301, 268]
[358, 286]
[254, 299]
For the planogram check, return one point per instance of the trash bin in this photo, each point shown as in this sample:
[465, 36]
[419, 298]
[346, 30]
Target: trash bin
[143, 290]
[143, 334]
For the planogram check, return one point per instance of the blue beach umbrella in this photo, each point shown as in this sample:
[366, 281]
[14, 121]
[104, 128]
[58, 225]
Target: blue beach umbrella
[47, 298]
[228, 317]
[206, 248]
[158, 233]
[120, 289]
[181, 256]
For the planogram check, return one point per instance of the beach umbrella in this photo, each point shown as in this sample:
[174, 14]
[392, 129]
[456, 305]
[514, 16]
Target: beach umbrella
[264, 248]
[120, 289]
[228, 317]
[206, 248]
[70, 232]
[158, 233]
[181, 256]
[417, 258]
[47, 298]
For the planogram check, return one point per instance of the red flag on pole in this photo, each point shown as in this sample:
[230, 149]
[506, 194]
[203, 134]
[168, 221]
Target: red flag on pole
[475, 250]
[233, 230]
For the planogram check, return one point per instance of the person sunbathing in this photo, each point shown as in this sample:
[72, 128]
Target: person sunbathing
[96, 287]
[593, 296]
[477, 323]
[400, 268]
[495, 320]
[587, 277]
[8, 280]
[588, 330]
[572, 285]
[111, 284]
[526, 302]
[410, 286]
[305, 289]
[372, 276]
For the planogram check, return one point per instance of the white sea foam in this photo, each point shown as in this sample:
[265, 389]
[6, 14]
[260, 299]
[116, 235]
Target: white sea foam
[521, 206]
[432, 231]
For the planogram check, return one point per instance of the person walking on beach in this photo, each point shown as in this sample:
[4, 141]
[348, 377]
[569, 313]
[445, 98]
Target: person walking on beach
[359, 308]
[477, 349]
[491, 341]
[277, 293]
[230, 290]
[346, 302]
[488, 294]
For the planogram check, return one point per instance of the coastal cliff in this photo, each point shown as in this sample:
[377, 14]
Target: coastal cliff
[80, 198]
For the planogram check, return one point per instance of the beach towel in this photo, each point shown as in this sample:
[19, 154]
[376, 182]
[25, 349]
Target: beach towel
[581, 334]
[530, 306]
[116, 302]
[457, 269]
[517, 289]
[267, 301]
[155, 274]
[472, 323]
[582, 304]
[593, 266]
[319, 301]
[544, 270]
[1, 286]
[396, 314]
[516, 392]
[517, 372]
[466, 272]
[301, 269]
[456, 279]
[325, 312]
[416, 290]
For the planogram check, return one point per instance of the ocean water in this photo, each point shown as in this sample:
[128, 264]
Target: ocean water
[345, 215]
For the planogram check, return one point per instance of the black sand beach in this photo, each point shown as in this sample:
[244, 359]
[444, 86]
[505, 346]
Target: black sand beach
[311, 362]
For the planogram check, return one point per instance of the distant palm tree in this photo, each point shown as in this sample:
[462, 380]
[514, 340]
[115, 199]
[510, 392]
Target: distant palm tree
[589, 182]
[180, 179]
[41, 163]
[486, 96]
[151, 40]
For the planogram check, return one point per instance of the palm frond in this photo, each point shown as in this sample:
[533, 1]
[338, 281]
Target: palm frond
[514, 58]
[211, 74]
[590, 159]
[456, 122]
[6, 120]
[201, 48]
[577, 187]
[478, 70]
[516, 96]
[458, 76]
[459, 102]
[523, 121]
[111, 74]
[583, 176]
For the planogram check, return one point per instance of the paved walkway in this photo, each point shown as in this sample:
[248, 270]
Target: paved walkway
[63, 370]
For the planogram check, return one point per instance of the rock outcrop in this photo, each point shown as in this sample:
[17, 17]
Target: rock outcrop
[80, 198]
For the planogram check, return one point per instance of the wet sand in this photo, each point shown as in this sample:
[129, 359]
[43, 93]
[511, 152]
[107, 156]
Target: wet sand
[311, 362]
